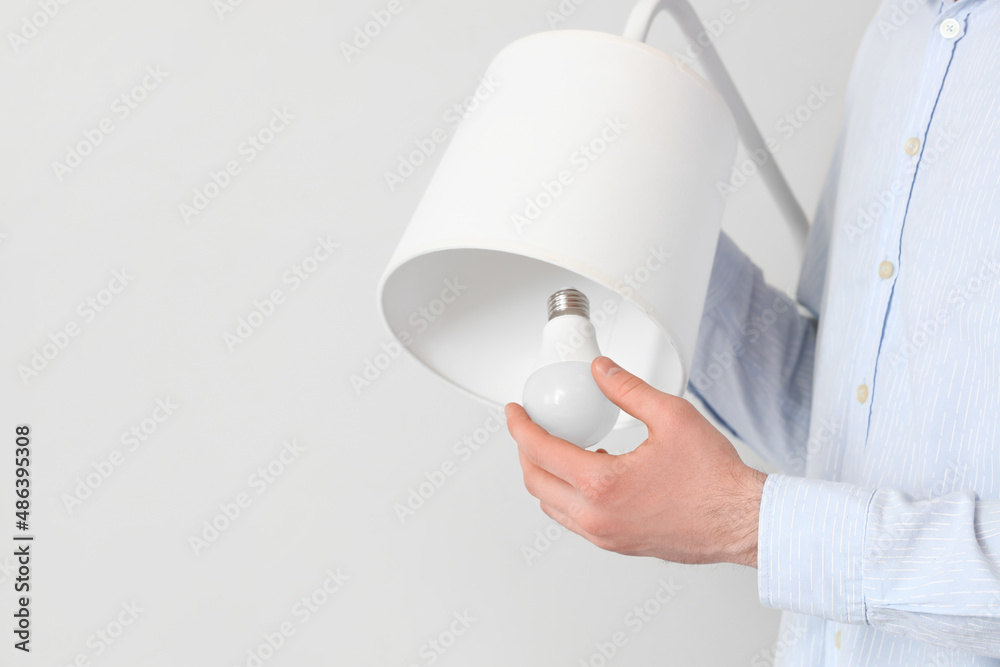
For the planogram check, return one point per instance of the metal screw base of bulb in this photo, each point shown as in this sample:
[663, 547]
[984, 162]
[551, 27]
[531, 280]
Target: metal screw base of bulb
[569, 301]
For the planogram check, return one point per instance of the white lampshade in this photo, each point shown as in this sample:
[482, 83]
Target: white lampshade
[610, 152]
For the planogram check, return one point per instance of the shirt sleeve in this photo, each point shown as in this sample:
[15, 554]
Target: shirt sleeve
[928, 569]
[753, 363]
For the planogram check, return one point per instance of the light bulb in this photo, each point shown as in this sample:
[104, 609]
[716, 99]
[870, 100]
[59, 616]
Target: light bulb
[560, 394]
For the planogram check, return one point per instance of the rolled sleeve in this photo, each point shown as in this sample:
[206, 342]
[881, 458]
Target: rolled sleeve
[753, 362]
[732, 277]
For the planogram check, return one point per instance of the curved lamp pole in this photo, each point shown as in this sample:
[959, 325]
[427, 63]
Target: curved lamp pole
[637, 28]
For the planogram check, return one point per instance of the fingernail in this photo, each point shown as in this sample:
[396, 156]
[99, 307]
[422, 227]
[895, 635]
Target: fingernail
[607, 367]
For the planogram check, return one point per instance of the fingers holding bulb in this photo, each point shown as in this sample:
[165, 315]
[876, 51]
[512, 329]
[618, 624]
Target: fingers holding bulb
[553, 455]
[629, 392]
[545, 486]
[563, 477]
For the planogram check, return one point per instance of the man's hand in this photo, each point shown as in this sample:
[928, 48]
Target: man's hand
[683, 495]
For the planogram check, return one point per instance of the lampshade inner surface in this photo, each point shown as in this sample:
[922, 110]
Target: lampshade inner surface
[475, 317]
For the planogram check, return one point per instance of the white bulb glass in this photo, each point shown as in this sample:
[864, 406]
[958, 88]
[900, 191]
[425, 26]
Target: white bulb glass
[560, 394]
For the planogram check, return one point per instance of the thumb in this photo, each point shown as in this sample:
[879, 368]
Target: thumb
[629, 392]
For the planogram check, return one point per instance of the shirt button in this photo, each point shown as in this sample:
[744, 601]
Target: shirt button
[912, 146]
[885, 269]
[950, 28]
[862, 393]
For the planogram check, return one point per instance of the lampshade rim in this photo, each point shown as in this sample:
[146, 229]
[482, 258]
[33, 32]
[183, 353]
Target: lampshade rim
[547, 257]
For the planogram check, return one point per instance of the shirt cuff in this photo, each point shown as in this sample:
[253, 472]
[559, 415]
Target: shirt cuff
[810, 547]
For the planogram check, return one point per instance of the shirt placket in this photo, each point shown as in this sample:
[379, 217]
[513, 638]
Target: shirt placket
[887, 262]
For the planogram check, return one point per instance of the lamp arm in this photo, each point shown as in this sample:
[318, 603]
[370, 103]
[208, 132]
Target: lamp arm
[637, 28]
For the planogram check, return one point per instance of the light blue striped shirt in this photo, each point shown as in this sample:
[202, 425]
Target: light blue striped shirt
[879, 400]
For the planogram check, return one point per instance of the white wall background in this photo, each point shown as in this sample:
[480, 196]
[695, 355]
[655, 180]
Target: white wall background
[162, 337]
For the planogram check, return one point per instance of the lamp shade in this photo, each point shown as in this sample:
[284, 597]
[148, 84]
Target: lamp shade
[593, 164]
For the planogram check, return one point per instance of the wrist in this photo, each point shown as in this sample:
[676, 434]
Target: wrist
[742, 548]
